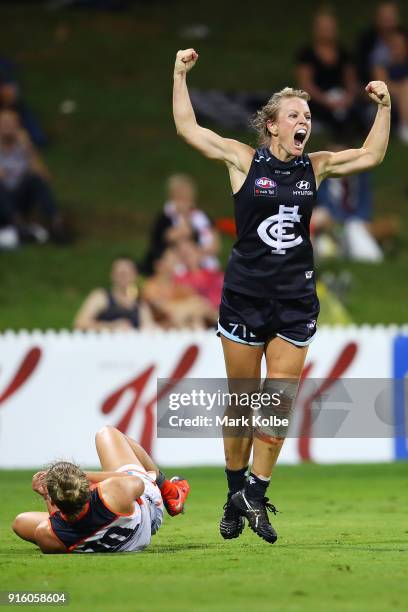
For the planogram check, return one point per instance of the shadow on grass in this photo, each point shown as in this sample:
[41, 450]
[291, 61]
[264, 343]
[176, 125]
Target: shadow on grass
[347, 546]
[374, 547]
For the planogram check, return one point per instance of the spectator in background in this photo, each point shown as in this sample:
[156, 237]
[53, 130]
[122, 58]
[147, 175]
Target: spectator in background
[175, 305]
[394, 72]
[11, 99]
[182, 219]
[207, 283]
[119, 308]
[345, 202]
[326, 71]
[24, 182]
[373, 44]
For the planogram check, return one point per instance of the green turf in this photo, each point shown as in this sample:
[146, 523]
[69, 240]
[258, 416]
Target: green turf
[111, 157]
[343, 546]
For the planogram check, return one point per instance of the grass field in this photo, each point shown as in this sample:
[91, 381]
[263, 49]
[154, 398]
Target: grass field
[343, 546]
[110, 158]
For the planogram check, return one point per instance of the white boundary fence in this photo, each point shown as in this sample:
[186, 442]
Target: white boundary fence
[58, 388]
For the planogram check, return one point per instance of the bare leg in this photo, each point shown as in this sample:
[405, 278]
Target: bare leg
[116, 449]
[25, 524]
[143, 457]
[285, 361]
[242, 362]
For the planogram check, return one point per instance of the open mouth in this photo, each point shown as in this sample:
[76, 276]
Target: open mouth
[299, 137]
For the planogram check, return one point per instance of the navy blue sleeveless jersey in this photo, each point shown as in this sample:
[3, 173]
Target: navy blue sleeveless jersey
[273, 255]
[94, 517]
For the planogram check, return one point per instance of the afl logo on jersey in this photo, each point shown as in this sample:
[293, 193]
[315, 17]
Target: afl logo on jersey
[265, 186]
[265, 182]
[274, 230]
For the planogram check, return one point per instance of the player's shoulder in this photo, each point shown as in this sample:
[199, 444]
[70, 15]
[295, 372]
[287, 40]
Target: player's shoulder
[318, 159]
[98, 296]
[240, 148]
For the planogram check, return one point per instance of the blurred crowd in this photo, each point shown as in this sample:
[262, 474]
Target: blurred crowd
[181, 281]
[28, 208]
[335, 77]
[178, 282]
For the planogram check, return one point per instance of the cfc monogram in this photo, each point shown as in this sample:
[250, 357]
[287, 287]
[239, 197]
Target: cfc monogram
[273, 231]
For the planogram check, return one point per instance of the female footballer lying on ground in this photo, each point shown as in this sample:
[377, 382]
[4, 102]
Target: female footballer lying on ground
[116, 510]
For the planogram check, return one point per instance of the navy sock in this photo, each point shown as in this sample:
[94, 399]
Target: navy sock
[256, 487]
[236, 479]
[160, 479]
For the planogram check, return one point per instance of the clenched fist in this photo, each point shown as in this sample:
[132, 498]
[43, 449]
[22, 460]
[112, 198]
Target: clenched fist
[185, 60]
[378, 91]
[38, 483]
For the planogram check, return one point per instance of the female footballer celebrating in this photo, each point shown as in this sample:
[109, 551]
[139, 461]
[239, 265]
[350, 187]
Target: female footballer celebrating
[269, 304]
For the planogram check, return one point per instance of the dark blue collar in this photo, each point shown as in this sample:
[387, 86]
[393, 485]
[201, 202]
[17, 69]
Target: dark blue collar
[265, 154]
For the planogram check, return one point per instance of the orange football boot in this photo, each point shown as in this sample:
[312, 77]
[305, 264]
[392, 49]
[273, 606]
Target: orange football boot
[174, 493]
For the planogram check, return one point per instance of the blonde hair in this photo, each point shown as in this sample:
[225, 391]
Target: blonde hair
[269, 112]
[67, 487]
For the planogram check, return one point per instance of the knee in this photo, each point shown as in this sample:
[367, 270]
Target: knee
[18, 523]
[105, 431]
[272, 441]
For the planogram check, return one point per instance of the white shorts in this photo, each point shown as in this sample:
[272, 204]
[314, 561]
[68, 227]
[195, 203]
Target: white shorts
[151, 497]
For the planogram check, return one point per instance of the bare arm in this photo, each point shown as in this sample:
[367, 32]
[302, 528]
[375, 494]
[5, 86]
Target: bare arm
[146, 317]
[210, 144]
[371, 154]
[86, 318]
[95, 477]
[119, 494]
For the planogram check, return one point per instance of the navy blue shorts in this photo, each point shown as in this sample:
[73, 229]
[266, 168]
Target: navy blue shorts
[254, 321]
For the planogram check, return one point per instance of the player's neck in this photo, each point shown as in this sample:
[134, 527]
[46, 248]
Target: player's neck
[280, 153]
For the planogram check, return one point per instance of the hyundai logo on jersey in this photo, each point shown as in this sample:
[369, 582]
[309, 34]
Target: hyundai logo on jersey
[265, 186]
[303, 185]
[303, 189]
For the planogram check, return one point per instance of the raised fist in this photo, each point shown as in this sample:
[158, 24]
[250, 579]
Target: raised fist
[378, 91]
[185, 60]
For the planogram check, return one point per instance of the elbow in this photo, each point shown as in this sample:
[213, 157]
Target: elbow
[374, 158]
[378, 160]
[381, 157]
[180, 128]
[185, 129]
[182, 133]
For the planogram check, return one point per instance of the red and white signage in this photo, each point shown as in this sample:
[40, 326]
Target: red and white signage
[58, 389]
